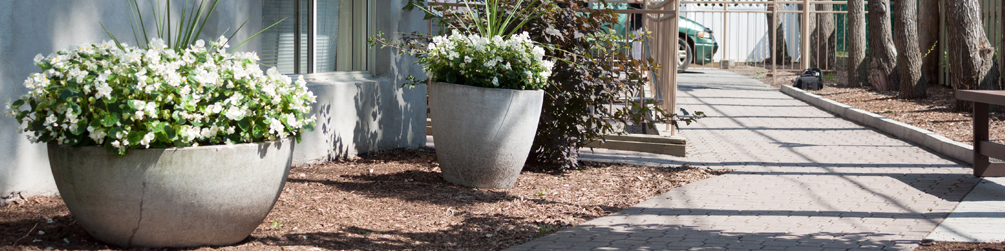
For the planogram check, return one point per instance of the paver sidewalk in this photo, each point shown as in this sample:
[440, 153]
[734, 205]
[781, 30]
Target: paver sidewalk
[804, 180]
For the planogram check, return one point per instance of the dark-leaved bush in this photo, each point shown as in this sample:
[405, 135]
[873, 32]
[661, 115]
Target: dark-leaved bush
[593, 70]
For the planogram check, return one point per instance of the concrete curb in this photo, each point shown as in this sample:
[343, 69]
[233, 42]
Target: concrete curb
[909, 133]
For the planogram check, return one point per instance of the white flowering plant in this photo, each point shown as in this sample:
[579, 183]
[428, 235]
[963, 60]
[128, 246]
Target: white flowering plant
[121, 97]
[514, 63]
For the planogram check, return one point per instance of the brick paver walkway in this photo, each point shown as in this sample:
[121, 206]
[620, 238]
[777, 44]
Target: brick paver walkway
[804, 180]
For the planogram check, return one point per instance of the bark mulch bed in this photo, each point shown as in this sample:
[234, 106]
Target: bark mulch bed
[960, 246]
[935, 113]
[396, 200]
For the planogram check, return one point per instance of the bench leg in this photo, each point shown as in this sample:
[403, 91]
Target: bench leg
[981, 162]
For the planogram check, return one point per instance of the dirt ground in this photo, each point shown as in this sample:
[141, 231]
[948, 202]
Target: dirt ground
[395, 200]
[934, 113]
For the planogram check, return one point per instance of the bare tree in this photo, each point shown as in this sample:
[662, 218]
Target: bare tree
[826, 42]
[928, 38]
[908, 56]
[776, 36]
[857, 66]
[882, 53]
[971, 55]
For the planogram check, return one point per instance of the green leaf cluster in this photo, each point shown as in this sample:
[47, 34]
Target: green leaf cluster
[128, 98]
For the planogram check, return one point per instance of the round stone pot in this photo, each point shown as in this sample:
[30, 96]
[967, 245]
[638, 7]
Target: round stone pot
[173, 197]
[483, 135]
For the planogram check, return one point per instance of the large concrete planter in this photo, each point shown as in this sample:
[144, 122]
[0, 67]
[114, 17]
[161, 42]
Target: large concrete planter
[483, 135]
[174, 197]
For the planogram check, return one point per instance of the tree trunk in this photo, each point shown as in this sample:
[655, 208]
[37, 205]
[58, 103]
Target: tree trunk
[909, 55]
[826, 56]
[857, 66]
[776, 36]
[928, 38]
[970, 53]
[883, 54]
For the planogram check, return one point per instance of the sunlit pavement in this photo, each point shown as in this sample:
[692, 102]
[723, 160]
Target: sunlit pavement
[804, 180]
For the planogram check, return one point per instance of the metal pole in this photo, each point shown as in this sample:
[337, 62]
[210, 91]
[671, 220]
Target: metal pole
[296, 37]
[774, 59]
[805, 36]
[312, 33]
[725, 33]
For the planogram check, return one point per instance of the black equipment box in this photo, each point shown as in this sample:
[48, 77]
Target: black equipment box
[812, 79]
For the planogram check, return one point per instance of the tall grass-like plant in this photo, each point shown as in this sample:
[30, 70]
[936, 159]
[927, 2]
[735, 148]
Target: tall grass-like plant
[183, 32]
[492, 19]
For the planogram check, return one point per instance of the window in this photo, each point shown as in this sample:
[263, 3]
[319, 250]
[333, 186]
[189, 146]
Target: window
[317, 35]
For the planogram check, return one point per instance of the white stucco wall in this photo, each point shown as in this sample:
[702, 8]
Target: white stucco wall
[31, 27]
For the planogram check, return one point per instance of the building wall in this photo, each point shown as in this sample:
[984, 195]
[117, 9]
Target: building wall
[365, 113]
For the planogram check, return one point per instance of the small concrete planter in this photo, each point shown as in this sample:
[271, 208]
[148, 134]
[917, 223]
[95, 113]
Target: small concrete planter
[174, 197]
[483, 135]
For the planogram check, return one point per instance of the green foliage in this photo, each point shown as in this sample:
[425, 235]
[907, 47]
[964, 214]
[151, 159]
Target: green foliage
[511, 63]
[193, 17]
[482, 49]
[128, 98]
[544, 229]
[592, 70]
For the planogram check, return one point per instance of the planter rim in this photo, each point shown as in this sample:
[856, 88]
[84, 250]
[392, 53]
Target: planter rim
[492, 88]
[183, 148]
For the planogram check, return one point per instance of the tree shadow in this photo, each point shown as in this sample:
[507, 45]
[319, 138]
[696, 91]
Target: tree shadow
[427, 186]
[497, 231]
[656, 236]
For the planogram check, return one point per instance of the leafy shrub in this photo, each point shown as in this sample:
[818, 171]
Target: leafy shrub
[592, 70]
[130, 97]
[511, 63]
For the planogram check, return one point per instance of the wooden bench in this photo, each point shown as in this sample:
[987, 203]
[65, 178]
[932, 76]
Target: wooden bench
[984, 149]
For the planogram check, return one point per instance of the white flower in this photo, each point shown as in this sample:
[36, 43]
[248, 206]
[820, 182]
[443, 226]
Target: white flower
[50, 120]
[276, 127]
[97, 135]
[132, 57]
[293, 122]
[39, 58]
[103, 90]
[235, 113]
[149, 137]
[188, 58]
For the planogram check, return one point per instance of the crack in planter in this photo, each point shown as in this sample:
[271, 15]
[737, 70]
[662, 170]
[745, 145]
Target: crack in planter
[140, 220]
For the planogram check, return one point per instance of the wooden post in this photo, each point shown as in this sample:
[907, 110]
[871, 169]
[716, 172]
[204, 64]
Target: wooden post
[725, 34]
[943, 43]
[804, 34]
[672, 30]
[774, 60]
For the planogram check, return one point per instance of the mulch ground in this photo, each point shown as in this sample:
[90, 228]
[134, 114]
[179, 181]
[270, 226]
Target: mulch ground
[395, 200]
[960, 246]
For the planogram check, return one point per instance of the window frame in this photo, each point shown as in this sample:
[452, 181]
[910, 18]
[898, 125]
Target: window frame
[350, 42]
